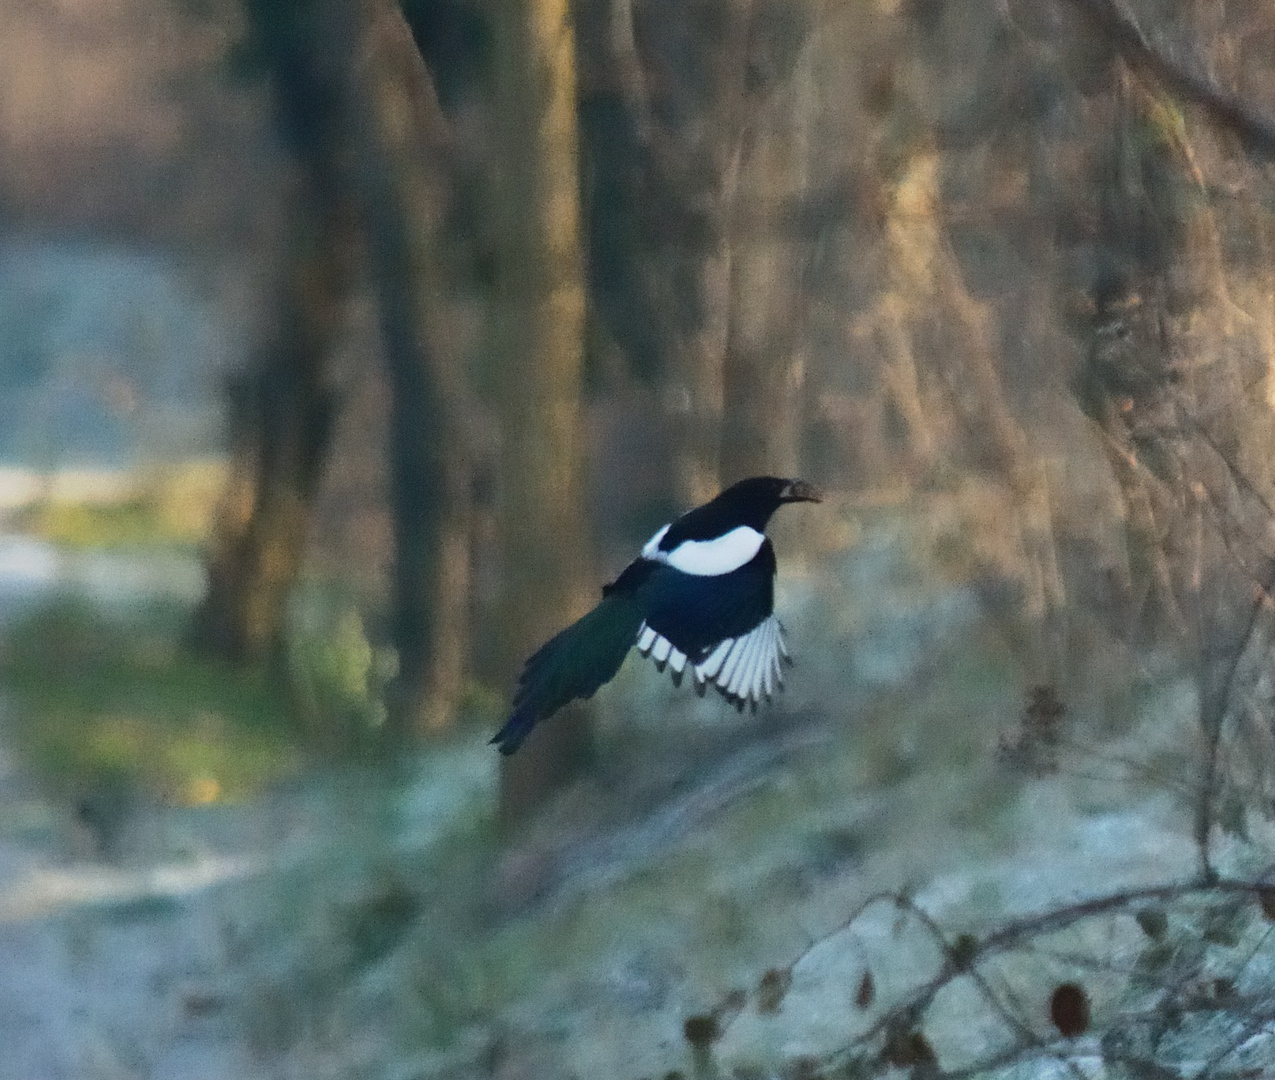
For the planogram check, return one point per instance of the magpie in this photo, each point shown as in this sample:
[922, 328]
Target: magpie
[700, 598]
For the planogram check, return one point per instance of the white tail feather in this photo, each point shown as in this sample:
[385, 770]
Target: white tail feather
[732, 662]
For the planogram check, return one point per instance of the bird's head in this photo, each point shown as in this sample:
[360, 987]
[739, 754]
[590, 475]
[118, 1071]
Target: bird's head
[755, 499]
[772, 489]
[798, 491]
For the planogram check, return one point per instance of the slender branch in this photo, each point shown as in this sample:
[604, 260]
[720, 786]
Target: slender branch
[1255, 132]
[1012, 934]
[960, 961]
[1213, 710]
[959, 964]
[1212, 716]
[1252, 1024]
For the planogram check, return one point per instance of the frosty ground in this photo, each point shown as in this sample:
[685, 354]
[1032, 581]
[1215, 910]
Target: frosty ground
[354, 925]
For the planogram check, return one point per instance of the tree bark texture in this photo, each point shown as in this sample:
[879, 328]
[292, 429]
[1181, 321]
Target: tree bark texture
[688, 107]
[538, 339]
[764, 372]
[405, 179]
[281, 414]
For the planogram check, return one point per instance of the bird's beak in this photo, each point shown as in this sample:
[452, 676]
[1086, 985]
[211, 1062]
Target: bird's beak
[800, 491]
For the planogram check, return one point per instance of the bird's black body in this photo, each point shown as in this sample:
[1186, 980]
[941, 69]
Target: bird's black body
[695, 612]
[701, 595]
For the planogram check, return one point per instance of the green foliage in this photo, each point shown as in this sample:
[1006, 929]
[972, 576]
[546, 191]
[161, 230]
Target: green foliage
[172, 508]
[90, 525]
[337, 676]
[109, 701]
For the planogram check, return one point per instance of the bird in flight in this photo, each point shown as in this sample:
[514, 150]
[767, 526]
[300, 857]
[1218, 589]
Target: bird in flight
[699, 599]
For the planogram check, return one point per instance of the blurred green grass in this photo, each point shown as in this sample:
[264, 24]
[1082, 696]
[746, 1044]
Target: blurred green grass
[104, 697]
[129, 523]
[105, 694]
[171, 506]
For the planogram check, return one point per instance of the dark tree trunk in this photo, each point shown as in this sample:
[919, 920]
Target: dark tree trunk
[281, 411]
[675, 93]
[539, 341]
[764, 372]
[359, 105]
[281, 414]
[407, 180]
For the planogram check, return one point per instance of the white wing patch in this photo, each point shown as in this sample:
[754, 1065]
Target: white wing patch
[707, 558]
[651, 549]
[741, 669]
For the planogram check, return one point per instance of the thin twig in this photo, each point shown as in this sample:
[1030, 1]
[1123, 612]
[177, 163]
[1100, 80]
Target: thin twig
[1255, 132]
[1009, 937]
[1214, 706]
[1253, 1023]
[959, 964]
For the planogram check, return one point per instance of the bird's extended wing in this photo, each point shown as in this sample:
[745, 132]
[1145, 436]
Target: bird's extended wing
[722, 627]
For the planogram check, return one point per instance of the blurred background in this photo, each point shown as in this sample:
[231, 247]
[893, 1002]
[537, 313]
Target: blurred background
[348, 346]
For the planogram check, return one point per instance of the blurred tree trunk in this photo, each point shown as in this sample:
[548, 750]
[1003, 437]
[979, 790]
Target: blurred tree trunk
[374, 145]
[698, 111]
[281, 419]
[280, 410]
[538, 342]
[764, 371]
[675, 91]
[1161, 352]
[697, 337]
[927, 292]
[406, 181]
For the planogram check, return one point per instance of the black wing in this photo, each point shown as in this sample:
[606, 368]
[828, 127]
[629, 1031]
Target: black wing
[697, 611]
[720, 628]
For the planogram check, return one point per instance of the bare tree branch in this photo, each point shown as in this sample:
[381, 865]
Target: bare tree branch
[1255, 132]
[963, 955]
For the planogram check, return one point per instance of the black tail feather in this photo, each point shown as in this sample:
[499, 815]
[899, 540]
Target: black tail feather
[571, 665]
[516, 728]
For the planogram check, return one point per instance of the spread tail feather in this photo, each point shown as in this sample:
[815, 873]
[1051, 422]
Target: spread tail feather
[571, 665]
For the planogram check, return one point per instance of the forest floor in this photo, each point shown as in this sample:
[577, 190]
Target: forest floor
[348, 924]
